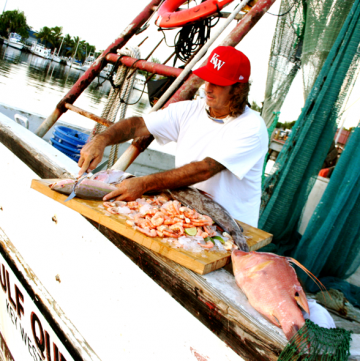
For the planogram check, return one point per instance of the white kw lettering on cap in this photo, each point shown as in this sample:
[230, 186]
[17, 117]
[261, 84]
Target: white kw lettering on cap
[217, 62]
[241, 77]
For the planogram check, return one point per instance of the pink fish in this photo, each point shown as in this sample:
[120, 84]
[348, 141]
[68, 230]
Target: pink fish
[272, 288]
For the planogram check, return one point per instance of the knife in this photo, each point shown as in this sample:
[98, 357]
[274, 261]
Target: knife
[80, 179]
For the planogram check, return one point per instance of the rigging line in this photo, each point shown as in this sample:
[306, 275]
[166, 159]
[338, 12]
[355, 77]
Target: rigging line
[123, 101]
[296, 1]
[162, 30]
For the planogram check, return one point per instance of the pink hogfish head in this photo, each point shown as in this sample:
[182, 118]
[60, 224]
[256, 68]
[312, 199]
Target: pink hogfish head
[272, 288]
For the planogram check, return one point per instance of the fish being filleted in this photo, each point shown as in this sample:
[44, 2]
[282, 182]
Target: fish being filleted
[95, 187]
[203, 204]
[272, 288]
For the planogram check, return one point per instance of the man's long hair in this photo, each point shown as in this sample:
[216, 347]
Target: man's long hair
[239, 97]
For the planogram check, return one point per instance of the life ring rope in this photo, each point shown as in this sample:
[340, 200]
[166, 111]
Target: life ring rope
[168, 17]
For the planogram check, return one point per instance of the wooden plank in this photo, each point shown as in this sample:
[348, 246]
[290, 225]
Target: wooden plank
[201, 263]
[256, 238]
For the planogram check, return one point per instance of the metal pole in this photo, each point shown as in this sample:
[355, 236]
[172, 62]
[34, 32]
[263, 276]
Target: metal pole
[5, 6]
[145, 65]
[60, 45]
[96, 67]
[72, 59]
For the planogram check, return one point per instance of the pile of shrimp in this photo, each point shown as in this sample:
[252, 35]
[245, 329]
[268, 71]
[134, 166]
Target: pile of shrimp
[160, 217]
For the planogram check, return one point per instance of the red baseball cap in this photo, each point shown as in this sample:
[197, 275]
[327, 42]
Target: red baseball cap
[225, 66]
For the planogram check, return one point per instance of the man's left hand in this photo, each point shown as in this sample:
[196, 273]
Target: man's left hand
[128, 190]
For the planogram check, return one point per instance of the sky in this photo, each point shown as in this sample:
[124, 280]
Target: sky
[99, 23]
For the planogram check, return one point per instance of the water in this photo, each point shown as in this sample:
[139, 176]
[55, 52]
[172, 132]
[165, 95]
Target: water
[36, 85]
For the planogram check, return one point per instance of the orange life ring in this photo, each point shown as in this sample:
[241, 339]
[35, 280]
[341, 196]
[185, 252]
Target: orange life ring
[168, 17]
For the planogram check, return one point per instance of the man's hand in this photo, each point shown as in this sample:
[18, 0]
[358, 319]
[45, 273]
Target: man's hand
[128, 190]
[189, 174]
[91, 154]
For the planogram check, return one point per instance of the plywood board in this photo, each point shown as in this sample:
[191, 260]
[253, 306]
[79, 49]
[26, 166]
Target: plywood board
[201, 263]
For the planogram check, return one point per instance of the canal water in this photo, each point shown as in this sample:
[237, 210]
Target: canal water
[36, 85]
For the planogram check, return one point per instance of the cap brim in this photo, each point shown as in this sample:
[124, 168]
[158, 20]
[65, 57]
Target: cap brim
[212, 77]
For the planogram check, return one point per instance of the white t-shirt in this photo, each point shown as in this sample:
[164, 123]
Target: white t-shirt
[240, 145]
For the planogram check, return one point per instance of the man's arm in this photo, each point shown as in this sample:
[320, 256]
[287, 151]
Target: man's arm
[126, 129]
[192, 173]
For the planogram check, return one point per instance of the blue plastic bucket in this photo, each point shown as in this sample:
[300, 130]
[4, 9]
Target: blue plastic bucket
[63, 149]
[71, 136]
[69, 141]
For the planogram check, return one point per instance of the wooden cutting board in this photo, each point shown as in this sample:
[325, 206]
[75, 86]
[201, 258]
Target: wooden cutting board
[201, 263]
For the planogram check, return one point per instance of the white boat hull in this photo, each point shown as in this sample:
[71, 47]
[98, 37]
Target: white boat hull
[14, 45]
[41, 55]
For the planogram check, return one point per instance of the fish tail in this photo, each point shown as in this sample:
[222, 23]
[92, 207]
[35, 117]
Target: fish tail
[240, 241]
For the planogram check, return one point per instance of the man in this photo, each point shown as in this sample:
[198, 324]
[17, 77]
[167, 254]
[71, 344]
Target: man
[221, 143]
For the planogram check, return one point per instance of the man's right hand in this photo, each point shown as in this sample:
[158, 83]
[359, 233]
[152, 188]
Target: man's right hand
[91, 154]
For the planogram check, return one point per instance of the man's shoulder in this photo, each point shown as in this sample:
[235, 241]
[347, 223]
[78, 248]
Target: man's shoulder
[250, 116]
[186, 110]
[198, 103]
[252, 121]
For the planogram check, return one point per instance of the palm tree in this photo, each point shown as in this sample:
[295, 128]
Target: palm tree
[13, 21]
[46, 36]
[68, 45]
[57, 35]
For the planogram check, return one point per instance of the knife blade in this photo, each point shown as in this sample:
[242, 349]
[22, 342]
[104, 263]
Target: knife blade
[97, 169]
[73, 194]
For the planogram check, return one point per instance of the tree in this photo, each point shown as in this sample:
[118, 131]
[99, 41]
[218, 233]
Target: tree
[89, 49]
[255, 107]
[45, 35]
[68, 45]
[57, 36]
[13, 21]
[75, 51]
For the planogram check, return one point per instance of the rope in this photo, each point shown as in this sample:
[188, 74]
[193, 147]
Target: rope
[118, 98]
[191, 38]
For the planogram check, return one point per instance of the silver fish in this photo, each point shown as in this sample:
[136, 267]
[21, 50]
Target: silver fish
[95, 187]
[192, 197]
[87, 189]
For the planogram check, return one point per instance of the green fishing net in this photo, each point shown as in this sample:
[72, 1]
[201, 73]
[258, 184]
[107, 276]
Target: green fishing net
[286, 189]
[313, 342]
[304, 35]
[284, 61]
[330, 246]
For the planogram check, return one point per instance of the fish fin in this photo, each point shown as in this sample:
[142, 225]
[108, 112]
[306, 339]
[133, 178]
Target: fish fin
[273, 319]
[301, 300]
[254, 271]
[205, 193]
